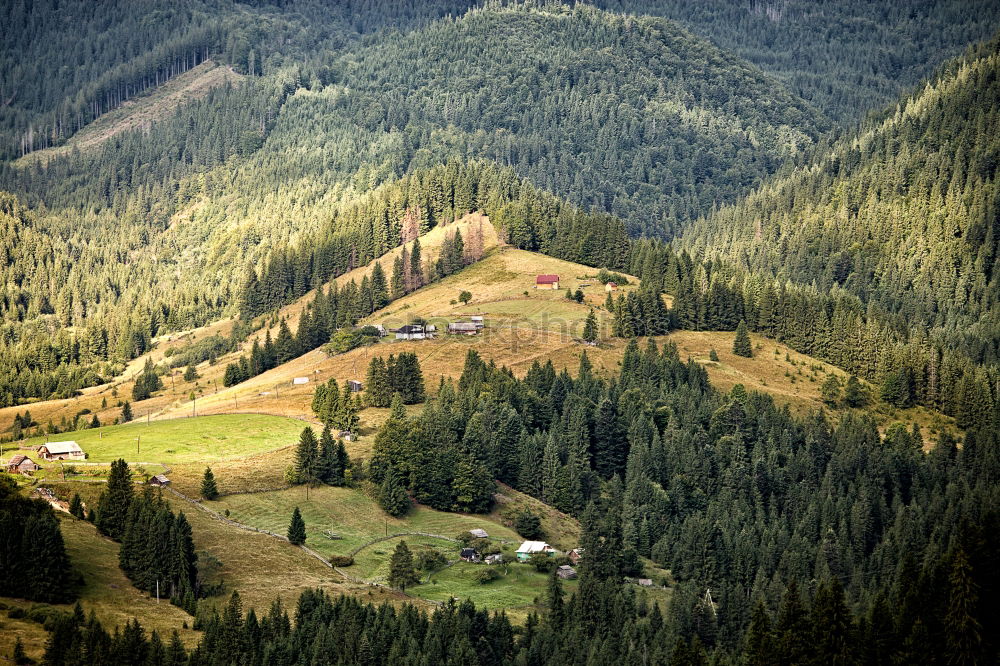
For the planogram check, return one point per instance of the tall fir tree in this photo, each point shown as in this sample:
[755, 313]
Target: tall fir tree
[741, 343]
[209, 488]
[114, 502]
[297, 528]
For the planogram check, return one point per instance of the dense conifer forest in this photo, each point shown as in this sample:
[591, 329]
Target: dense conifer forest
[823, 174]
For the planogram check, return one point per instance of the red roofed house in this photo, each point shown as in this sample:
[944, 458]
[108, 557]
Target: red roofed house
[22, 465]
[547, 282]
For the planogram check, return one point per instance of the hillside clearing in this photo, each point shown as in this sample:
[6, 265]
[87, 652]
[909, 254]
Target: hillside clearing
[202, 439]
[142, 110]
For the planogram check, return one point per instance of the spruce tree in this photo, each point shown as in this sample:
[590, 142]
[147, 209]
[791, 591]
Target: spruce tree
[306, 454]
[190, 373]
[341, 465]
[416, 266]
[209, 489]
[741, 344]
[402, 573]
[854, 393]
[554, 599]
[126, 412]
[392, 495]
[962, 628]
[76, 506]
[378, 390]
[297, 528]
[759, 642]
[326, 458]
[830, 390]
[590, 327]
[115, 500]
[379, 288]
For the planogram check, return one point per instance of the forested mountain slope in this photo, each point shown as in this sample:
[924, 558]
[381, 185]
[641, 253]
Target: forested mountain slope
[63, 63]
[845, 57]
[624, 114]
[904, 215]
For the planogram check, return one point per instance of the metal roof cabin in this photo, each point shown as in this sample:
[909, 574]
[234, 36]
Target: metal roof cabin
[529, 548]
[547, 281]
[61, 451]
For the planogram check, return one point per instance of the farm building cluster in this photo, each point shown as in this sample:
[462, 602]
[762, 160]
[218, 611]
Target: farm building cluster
[49, 451]
[470, 552]
[470, 325]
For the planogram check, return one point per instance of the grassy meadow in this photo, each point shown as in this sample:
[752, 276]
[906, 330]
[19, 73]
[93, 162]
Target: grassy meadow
[201, 439]
[349, 514]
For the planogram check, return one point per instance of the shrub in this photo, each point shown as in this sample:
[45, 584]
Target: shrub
[431, 559]
[542, 562]
[486, 575]
[341, 560]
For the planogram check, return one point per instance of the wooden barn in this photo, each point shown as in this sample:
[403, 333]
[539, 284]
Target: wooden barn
[566, 572]
[355, 386]
[159, 480]
[547, 281]
[21, 464]
[463, 328]
[61, 451]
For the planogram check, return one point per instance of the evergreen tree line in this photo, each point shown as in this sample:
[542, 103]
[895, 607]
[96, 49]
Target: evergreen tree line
[836, 326]
[156, 545]
[398, 375]
[157, 551]
[901, 214]
[727, 491]
[325, 461]
[335, 408]
[33, 560]
[862, 69]
[399, 212]
[425, 457]
[603, 623]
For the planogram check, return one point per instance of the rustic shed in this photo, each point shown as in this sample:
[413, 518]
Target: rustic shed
[547, 281]
[566, 572]
[463, 328]
[159, 480]
[21, 464]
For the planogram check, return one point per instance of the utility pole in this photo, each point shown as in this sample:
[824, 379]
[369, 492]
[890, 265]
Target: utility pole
[137, 446]
[194, 400]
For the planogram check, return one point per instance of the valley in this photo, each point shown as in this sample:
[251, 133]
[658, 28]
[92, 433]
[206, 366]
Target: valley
[499, 333]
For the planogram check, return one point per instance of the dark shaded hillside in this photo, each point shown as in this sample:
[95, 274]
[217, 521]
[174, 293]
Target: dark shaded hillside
[629, 115]
[64, 63]
[845, 57]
